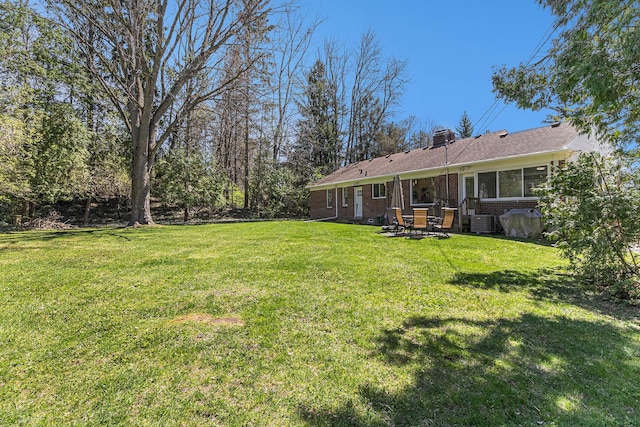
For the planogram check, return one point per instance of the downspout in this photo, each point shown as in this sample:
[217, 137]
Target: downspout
[335, 202]
[446, 163]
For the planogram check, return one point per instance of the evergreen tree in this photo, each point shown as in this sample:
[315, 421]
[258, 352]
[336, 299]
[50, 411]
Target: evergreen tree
[465, 127]
[59, 155]
[42, 84]
[318, 136]
[14, 160]
[392, 138]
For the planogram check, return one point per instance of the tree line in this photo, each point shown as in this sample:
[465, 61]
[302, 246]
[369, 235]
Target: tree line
[199, 104]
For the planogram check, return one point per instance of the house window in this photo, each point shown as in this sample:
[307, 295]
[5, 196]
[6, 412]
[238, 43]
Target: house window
[379, 191]
[487, 185]
[510, 183]
[345, 197]
[423, 191]
[533, 177]
[329, 199]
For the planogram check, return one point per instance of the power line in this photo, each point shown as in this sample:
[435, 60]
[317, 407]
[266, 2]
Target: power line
[496, 116]
[495, 102]
[489, 113]
[552, 29]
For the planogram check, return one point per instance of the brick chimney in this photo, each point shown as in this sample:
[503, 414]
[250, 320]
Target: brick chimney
[442, 136]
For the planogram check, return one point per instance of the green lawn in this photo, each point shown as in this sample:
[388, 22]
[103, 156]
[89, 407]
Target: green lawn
[306, 324]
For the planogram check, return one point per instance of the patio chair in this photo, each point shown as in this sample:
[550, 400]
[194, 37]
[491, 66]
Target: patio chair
[402, 224]
[447, 221]
[420, 221]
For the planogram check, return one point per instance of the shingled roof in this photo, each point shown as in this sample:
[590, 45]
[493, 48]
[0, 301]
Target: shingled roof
[483, 148]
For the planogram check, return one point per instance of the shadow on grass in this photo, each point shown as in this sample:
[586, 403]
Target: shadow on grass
[13, 238]
[530, 240]
[546, 284]
[530, 370]
[555, 285]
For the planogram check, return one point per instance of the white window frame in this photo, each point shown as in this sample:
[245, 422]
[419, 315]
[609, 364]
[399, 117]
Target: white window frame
[524, 190]
[345, 197]
[522, 183]
[329, 198]
[499, 183]
[373, 190]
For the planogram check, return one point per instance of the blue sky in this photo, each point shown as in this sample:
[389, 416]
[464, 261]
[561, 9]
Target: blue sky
[451, 48]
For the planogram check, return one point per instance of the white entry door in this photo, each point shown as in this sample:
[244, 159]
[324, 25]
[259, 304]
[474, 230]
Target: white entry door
[357, 202]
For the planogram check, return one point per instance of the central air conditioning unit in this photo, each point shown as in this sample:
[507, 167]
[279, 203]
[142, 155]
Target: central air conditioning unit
[483, 224]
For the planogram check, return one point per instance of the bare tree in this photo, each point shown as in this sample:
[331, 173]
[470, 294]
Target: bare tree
[229, 124]
[376, 88]
[291, 41]
[144, 62]
[238, 106]
[335, 65]
[422, 132]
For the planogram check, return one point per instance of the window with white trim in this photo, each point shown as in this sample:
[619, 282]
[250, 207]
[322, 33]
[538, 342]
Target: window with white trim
[379, 191]
[533, 178]
[345, 197]
[511, 183]
[329, 199]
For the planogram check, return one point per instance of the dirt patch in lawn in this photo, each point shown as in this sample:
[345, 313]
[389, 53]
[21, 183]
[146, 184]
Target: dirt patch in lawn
[208, 319]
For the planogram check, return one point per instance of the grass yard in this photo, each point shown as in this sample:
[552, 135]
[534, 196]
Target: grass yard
[304, 324]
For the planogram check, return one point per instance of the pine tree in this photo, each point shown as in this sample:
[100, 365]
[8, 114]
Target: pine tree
[465, 127]
[318, 136]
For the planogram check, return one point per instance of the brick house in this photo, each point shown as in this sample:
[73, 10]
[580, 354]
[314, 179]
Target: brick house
[498, 169]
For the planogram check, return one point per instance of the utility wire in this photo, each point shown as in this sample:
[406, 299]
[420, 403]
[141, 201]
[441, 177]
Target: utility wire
[489, 116]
